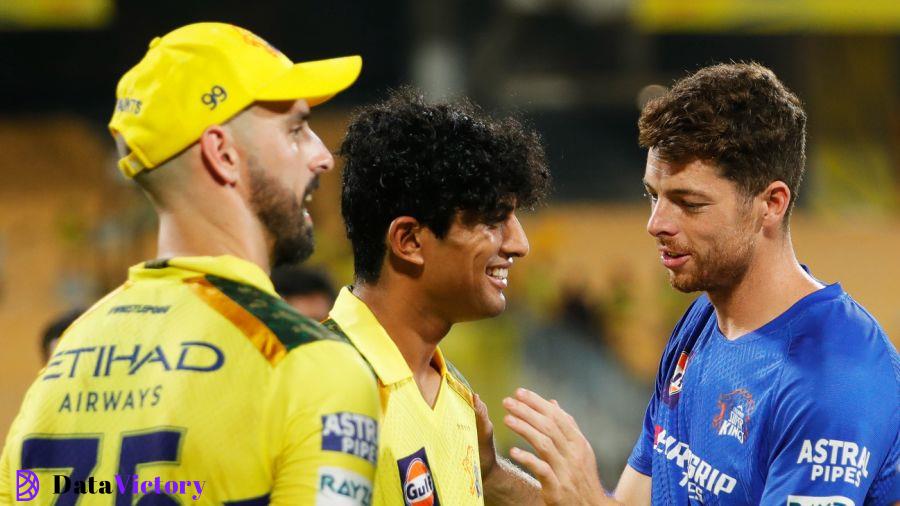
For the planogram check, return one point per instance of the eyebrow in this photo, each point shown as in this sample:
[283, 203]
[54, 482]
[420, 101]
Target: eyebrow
[300, 117]
[680, 192]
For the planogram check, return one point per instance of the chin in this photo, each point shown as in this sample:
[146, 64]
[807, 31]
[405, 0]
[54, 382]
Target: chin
[684, 283]
[488, 308]
[496, 306]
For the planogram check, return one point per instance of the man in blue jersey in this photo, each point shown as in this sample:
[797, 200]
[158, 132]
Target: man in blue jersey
[774, 388]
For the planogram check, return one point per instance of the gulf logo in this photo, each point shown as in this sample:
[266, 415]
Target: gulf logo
[416, 480]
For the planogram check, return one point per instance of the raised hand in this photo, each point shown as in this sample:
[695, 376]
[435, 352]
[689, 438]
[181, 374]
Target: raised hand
[487, 452]
[565, 463]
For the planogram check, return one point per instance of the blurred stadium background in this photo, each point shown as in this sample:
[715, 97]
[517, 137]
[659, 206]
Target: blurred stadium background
[590, 308]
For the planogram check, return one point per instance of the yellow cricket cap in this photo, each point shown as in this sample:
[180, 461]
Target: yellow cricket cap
[203, 74]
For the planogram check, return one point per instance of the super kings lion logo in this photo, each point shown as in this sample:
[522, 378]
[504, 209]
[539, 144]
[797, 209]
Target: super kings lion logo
[416, 480]
[733, 418]
[256, 40]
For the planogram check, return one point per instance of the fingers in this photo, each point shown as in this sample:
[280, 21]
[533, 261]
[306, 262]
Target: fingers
[552, 411]
[534, 400]
[537, 438]
[550, 423]
[482, 419]
[487, 453]
[540, 469]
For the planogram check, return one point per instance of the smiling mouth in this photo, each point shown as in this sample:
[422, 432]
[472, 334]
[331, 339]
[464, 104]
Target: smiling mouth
[500, 275]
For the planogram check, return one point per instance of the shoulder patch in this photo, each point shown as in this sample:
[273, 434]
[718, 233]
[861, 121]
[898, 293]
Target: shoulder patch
[459, 383]
[456, 374]
[270, 323]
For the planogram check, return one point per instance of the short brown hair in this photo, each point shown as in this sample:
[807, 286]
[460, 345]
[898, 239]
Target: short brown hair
[738, 116]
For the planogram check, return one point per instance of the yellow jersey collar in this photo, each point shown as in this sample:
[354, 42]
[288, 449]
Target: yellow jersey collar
[225, 266]
[373, 342]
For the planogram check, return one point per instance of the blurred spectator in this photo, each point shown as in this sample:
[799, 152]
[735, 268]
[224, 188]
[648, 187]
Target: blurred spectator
[309, 290]
[569, 358]
[55, 330]
[577, 311]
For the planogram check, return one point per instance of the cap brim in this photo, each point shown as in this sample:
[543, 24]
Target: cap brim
[315, 81]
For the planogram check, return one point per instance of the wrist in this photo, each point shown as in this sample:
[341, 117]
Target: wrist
[507, 484]
[491, 469]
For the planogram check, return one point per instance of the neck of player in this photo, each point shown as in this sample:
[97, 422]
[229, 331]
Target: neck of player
[229, 230]
[773, 283]
[413, 326]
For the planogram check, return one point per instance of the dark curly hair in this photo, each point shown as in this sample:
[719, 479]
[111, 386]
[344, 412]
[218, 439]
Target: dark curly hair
[407, 157]
[738, 116]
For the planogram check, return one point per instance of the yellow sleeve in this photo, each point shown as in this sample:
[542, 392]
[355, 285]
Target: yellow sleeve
[6, 493]
[325, 426]
[9, 460]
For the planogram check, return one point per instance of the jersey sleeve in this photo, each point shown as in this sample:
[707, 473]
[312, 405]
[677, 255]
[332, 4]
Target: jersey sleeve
[325, 427]
[834, 430]
[640, 458]
[886, 487]
[641, 455]
[6, 493]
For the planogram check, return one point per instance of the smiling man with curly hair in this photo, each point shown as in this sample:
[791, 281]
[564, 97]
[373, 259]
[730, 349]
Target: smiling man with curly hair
[430, 199]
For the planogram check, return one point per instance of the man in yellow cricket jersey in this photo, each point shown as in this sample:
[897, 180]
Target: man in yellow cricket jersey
[429, 199]
[194, 381]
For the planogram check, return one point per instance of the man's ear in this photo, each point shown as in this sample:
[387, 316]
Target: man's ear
[777, 200]
[219, 154]
[404, 240]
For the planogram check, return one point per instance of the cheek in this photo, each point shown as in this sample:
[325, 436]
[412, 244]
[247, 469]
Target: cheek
[708, 228]
[727, 237]
[484, 248]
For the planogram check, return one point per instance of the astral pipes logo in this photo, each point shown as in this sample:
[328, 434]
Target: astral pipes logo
[28, 485]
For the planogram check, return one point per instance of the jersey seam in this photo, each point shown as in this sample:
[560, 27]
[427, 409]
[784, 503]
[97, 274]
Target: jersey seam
[771, 421]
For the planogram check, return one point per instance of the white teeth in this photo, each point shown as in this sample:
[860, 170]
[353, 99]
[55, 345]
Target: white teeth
[499, 272]
[308, 198]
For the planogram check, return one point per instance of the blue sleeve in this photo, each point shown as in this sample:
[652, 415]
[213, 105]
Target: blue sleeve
[835, 426]
[641, 456]
[886, 488]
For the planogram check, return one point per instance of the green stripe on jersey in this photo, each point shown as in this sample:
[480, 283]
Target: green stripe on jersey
[289, 326]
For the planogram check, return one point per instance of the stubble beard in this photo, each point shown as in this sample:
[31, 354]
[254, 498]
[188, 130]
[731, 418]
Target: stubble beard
[281, 212]
[721, 267]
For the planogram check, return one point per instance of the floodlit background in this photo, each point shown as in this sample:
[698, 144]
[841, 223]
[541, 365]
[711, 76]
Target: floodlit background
[590, 307]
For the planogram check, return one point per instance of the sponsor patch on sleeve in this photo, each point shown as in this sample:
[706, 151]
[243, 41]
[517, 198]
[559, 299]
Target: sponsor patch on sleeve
[340, 487]
[835, 461]
[350, 433]
[808, 500]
